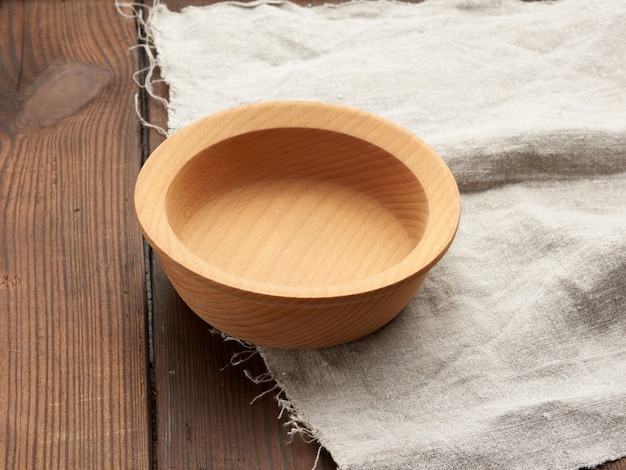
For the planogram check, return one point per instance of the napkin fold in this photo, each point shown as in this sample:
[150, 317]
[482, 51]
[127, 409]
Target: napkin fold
[513, 353]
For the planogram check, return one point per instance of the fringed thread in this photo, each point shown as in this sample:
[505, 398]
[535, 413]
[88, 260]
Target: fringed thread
[144, 78]
[286, 410]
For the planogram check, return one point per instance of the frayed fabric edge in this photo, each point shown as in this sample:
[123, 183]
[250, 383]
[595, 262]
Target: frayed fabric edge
[286, 410]
[143, 15]
[144, 78]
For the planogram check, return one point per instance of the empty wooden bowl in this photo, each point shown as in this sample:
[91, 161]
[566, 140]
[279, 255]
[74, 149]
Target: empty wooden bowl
[296, 224]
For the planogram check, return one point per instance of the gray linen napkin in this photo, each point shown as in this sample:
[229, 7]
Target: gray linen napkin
[513, 353]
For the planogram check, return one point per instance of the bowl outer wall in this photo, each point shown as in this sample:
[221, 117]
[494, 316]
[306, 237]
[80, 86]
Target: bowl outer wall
[295, 324]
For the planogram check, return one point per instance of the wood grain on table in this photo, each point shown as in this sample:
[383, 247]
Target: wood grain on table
[103, 365]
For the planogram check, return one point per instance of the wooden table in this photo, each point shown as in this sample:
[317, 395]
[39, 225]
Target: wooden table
[102, 365]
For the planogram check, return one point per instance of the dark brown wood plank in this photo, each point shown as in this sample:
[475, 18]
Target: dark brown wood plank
[72, 301]
[616, 465]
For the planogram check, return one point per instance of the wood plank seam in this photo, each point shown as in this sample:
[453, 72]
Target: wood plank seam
[145, 62]
[145, 151]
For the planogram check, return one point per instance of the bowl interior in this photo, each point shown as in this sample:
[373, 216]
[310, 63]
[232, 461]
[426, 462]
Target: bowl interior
[297, 207]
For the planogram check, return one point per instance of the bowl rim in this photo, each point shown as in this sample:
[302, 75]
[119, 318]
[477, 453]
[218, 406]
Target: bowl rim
[163, 165]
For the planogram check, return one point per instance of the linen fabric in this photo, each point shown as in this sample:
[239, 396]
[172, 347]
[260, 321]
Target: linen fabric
[513, 353]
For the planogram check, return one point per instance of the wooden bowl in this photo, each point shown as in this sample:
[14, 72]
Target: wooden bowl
[296, 224]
